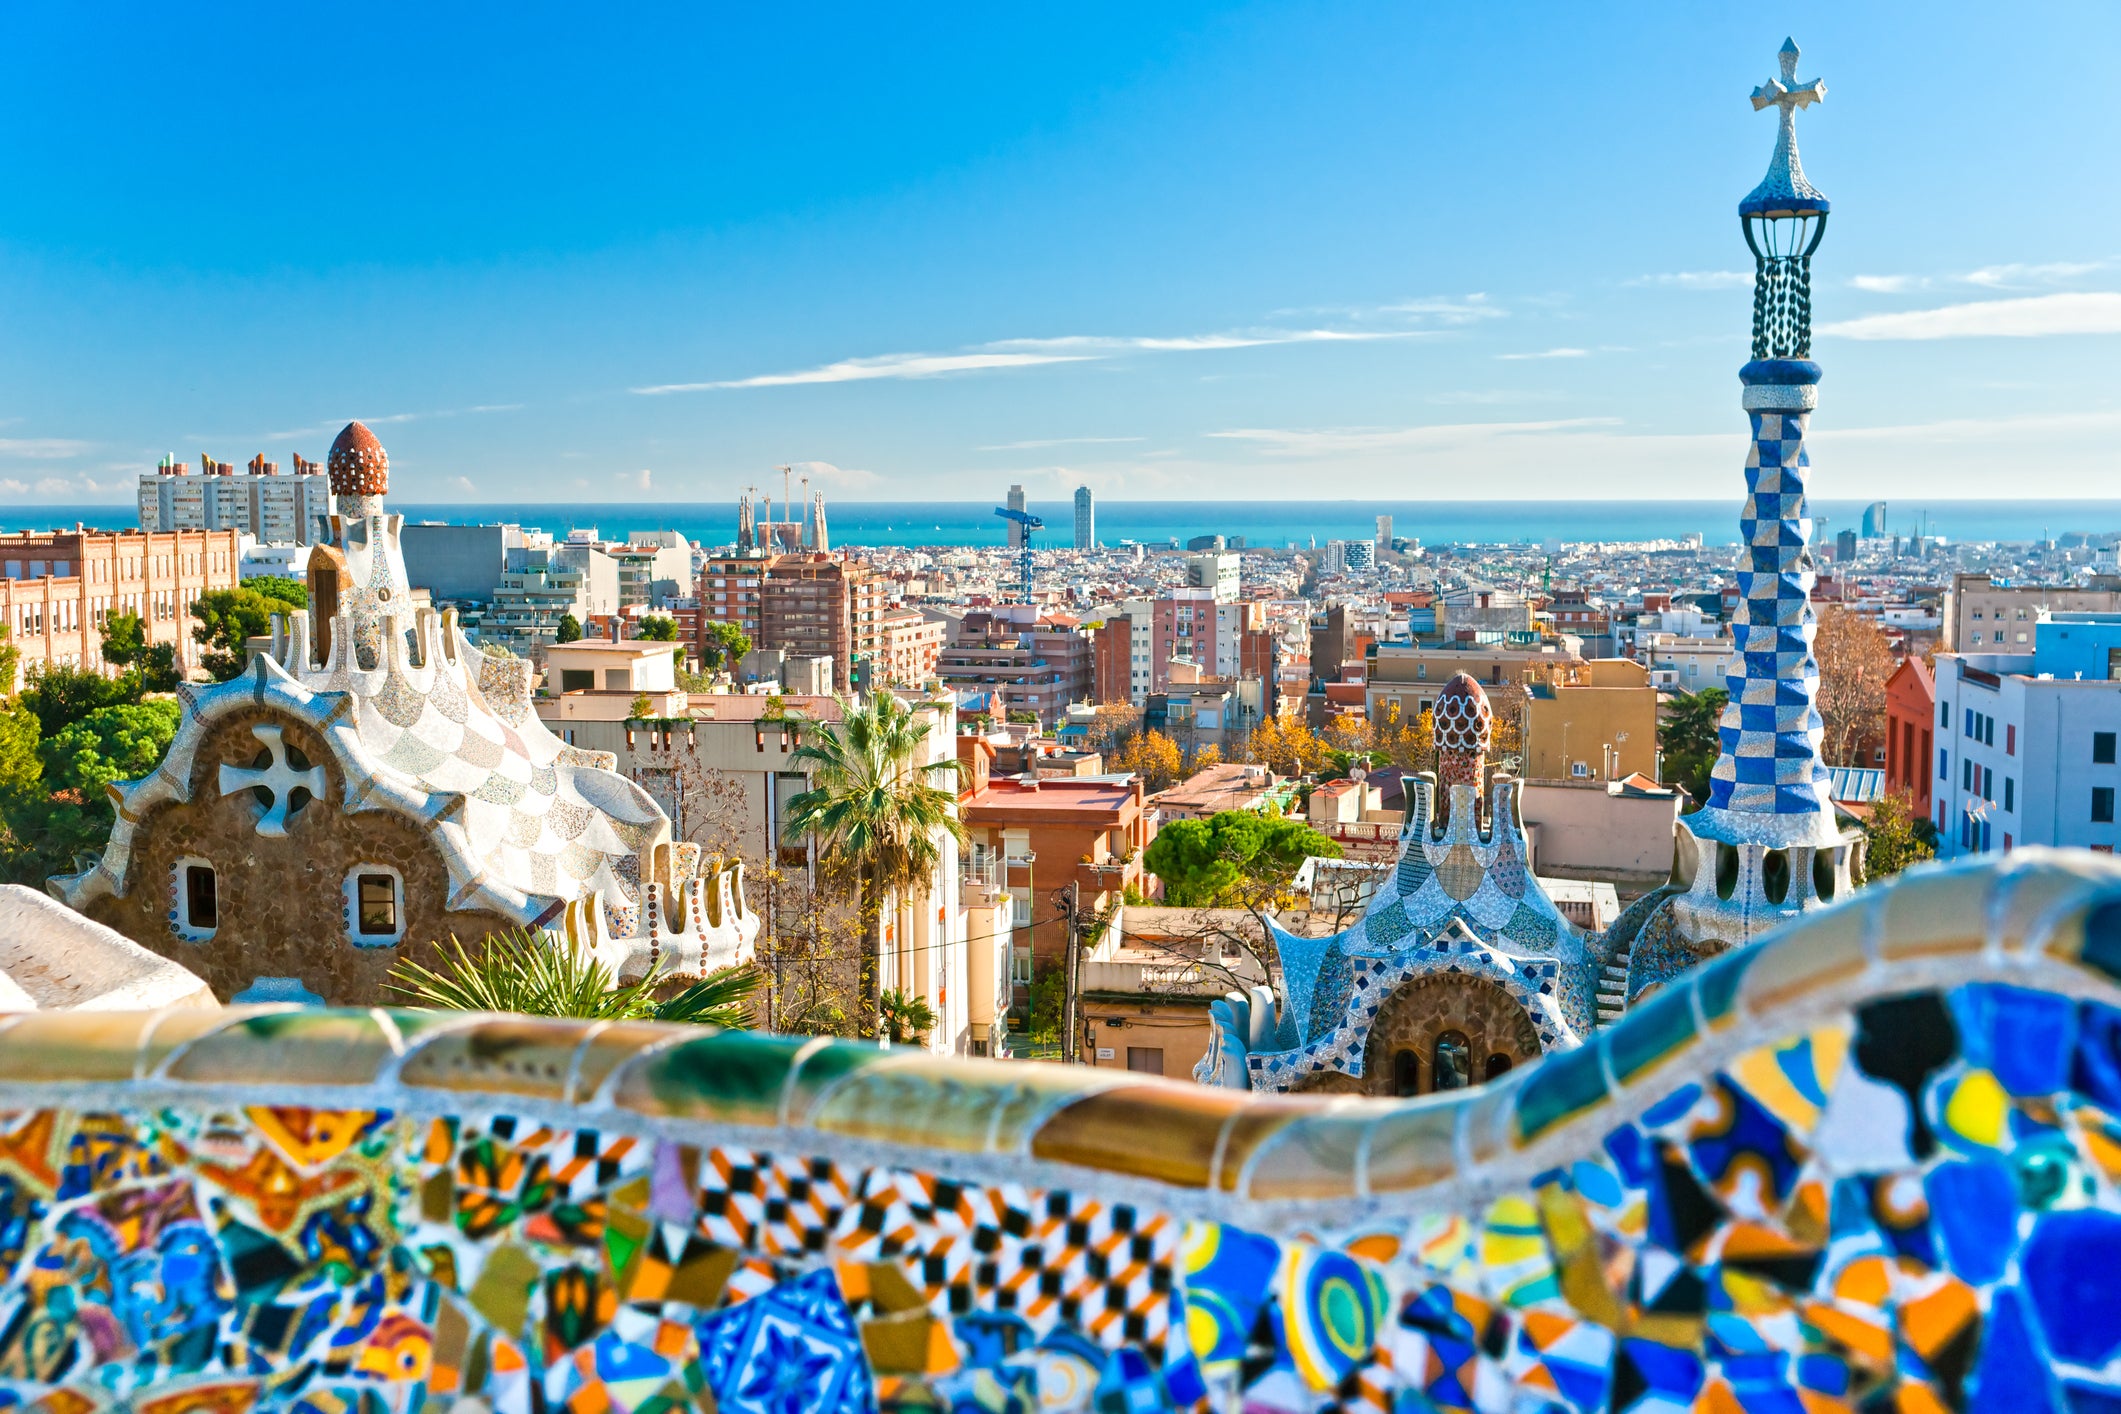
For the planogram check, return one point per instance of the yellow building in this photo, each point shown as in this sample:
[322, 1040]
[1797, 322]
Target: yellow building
[1594, 721]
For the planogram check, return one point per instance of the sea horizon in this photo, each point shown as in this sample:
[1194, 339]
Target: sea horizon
[1262, 524]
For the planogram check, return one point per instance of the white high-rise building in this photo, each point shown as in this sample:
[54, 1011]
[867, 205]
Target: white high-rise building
[260, 502]
[1085, 519]
[1349, 557]
[1384, 534]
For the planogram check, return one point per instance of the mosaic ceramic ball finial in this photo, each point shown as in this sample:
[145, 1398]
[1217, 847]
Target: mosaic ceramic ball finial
[358, 464]
[1465, 728]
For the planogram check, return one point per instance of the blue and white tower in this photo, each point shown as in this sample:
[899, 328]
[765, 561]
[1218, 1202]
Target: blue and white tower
[1767, 844]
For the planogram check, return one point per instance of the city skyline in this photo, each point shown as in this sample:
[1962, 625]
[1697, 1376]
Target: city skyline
[1250, 248]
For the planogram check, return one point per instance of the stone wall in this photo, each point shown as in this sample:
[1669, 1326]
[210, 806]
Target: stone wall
[282, 902]
[1488, 1018]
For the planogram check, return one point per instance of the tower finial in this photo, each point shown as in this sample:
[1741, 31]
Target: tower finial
[1784, 219]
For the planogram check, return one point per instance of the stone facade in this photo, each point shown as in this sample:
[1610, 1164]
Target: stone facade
[282, 900]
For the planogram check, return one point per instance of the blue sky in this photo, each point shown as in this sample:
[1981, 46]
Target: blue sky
[1171, 250]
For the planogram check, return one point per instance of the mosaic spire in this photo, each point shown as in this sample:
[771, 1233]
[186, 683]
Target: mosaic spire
[1769, 785]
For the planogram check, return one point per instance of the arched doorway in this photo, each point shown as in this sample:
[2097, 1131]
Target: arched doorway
[1445, 1031]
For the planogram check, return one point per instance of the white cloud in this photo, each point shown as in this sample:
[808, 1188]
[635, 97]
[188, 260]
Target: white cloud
[861, 370]
[2037, 316]
[461, 483]
[1033, 352]
[639, 480]
[1697, 279]
[2018, 276]
[1887, 284]
[1056, 442]
[1097, 344]
[1548, 353]
[824, 476]
[1342, 441]
[42, 448]
[12, 487]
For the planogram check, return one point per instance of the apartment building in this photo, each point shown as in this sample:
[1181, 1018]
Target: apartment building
[528, 604]
[2026, 752]
[1408, 677]
[1592, 721]
[820, 605]
[1981, 616]
[58, 588]
[653, 568]
[265, 505]
[912, 645]
[732, 589]
[1045, 838]
[1025, 664]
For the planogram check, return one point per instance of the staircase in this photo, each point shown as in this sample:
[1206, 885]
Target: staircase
[1613, 989]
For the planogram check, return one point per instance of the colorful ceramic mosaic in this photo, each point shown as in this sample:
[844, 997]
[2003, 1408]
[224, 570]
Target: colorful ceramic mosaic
[1870, 1164]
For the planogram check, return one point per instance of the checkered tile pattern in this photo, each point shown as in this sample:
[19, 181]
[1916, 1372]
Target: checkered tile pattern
[1771, 730]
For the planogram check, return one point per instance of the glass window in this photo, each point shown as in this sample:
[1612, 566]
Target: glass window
[2010, 793]
[202, 901]
[2102, 805]
[376, 905]
[2102, 748]
[1147, 1059]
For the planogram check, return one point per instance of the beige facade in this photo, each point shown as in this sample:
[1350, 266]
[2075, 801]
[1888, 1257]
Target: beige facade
[1981, 616]
[1619, 831]
[1594, 721]
[1410, 677]
[911, 645]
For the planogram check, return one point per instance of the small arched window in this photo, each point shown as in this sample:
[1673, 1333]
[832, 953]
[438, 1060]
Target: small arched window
[1406, 1073]
[1498, 1064]
[1775, 875]
[1454, 1061]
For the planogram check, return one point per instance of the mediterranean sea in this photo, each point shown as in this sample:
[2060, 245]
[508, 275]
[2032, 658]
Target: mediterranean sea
[1270, 524]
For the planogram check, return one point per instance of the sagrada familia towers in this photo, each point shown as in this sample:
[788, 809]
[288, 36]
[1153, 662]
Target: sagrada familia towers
[374, 782]
[1461, 967]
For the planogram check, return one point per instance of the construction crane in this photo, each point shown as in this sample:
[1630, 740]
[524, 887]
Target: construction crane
[1028, 523]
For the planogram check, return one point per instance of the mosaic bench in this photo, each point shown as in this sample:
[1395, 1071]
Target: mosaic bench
[1869, 1163]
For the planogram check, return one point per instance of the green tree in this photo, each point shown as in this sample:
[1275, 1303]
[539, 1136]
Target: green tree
[229, 617]
[641, 708]
[874, 801]
[570, 629]
[1687, 737]
[1898, 837]
[152, 665]
[124, 638]
[905, 1017]
[1204, 863]
[724, 645]
[292, 593]
[658, 628]
[82, 760]
[59, 696]
[22, 797]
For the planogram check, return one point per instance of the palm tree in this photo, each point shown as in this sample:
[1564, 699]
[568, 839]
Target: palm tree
[874, 801]
[905, 1017]
[538, 975]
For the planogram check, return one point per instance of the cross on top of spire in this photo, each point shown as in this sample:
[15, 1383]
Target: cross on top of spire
[1784, 191]
[1786, 93]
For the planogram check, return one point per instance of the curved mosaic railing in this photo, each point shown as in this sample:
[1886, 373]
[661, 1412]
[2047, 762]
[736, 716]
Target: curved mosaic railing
[1868, 1163]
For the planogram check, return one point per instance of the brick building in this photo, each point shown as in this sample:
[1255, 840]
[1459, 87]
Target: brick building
[1042, 835]
[60, 587]
[912, 645]
[810, 605]
[1910, 722]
